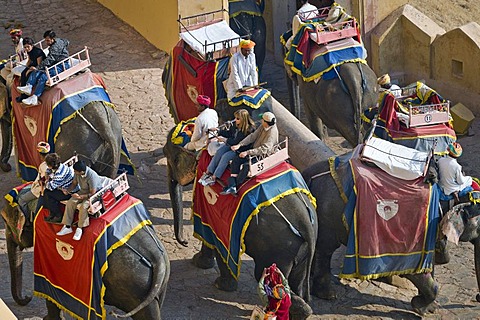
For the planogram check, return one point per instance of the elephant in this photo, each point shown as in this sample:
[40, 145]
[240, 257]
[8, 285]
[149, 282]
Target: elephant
[338, 103]
[264, 246]
[250, 23]
[332, 233]
[96, 135]
[132, 285]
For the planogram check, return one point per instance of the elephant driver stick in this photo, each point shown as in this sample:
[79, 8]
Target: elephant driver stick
[253, 87]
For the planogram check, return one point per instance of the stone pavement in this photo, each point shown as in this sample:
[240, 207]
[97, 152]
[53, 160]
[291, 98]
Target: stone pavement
[132, 68]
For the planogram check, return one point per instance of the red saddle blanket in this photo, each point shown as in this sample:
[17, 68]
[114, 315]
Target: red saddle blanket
[221, 221]
[68, 272]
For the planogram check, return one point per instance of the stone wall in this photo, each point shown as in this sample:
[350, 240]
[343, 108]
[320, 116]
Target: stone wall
[410, 46]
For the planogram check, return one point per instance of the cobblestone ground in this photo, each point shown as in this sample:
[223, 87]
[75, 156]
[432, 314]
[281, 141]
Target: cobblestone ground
[131, 68]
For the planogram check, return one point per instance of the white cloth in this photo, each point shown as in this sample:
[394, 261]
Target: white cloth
[302, 13]
[243, 72]
[307, 11]
[451, 176]
[397, 160]
[213, 33]
[396, 90]
[207, 119]
[36, 187]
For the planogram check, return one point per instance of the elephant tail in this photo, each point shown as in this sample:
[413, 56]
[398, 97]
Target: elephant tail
[160, 277]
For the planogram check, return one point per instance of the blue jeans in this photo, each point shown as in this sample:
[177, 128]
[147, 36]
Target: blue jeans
[221, 160]
[38, 79]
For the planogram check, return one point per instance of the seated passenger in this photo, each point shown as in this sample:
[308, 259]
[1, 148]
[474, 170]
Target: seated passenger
[243, 69]
[306, 11]
[35, 190]
[244, 125]
[452, 180]
[60, 178]
[385, 84]
[207, 119]
[38, 78]
[263, 139]
[17, 40]
[89, 182]
[35, 57]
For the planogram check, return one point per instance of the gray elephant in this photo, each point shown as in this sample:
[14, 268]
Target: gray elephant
[265, 240]
[332, 233]
[246, 20]
[132, 285]
[6, 129]
[96, 134]
[338, 103]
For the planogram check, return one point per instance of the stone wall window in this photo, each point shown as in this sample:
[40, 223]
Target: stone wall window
[457, 68]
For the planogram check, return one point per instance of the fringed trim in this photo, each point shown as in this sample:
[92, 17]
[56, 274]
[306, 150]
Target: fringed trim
[248, 103]
[247, 224]
[384, 274]
[333, 172]
[61, 307]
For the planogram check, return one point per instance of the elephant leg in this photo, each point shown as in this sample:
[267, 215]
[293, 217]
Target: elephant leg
[315, 123]
[205, 258]
[226, 282]
[6, 128]
[442, 255]
[294, 96]
[53, 311]
[299, 310]
[427, 287]
[322, 286]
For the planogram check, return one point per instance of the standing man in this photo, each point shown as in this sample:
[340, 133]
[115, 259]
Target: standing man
[207, 119]
[243, 69]
[57, 52]
[89, 182]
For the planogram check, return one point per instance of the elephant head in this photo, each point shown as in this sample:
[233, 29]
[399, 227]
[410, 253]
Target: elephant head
[338, 103]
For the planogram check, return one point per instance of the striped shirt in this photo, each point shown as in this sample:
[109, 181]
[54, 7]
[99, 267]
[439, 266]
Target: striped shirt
[61, 178]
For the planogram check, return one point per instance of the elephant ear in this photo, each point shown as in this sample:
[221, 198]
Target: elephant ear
[14, 219]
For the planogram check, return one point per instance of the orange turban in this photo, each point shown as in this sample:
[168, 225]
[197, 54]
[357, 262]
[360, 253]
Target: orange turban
[247, 44]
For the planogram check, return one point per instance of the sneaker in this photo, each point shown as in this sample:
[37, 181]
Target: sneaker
[32, 101]
[229, 190]
[25, 89]
[65, 230]
[204, 176]
[78, 234]
[208, 181]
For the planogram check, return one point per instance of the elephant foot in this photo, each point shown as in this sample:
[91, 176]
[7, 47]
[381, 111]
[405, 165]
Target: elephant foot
[5, 167]
[202, 261]
[421, 306]
[226, 284]
[323, 290]
[442, 256]
[299, 310]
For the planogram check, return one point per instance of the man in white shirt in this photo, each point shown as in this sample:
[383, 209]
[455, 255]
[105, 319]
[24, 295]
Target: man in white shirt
[17, 40]
[385, 84]
[35, 190]
[207, 119]
[243, 69]
[452, 180]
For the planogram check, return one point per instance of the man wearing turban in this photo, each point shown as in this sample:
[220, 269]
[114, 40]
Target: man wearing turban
[243, 69]
[385, 84]
[452, 180]
[207, 119]
[17, 40]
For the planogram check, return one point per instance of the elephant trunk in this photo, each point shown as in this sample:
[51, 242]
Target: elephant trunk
[476, 245]
[15, 259]
[176, 197]
[6, 131]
